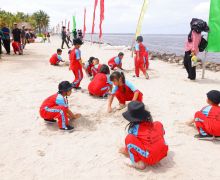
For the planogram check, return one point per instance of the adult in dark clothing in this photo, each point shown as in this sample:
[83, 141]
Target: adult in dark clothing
[1, 38]
[74, 34]
[6, 39]
[80, 34]
[23, 39]
[64, 38]
[16, 33]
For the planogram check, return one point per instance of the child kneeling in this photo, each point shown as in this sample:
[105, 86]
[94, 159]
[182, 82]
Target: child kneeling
[101, 84]
[144, 144]
[207, 120]
[56, 107]
[123, 90]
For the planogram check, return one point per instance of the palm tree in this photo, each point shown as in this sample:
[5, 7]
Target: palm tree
[42, 20]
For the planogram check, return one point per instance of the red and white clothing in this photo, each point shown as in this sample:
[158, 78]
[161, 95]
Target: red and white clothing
[115, 62]
[100, 85]
[76, 67]
[55, 107]
[145, 142]
[126, 92]
[55, 59]
[208, 121]
[96, 69]
[88, 68]
[139, 62]
[194, 45]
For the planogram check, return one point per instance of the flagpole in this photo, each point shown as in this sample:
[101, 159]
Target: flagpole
[204, 66]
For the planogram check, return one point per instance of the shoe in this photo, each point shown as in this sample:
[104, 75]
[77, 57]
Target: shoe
[68, 128]
[50, 120]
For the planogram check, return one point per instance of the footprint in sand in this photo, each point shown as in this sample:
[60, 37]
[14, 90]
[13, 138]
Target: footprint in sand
[41, 153]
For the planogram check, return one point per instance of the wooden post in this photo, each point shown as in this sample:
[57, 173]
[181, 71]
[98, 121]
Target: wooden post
[204, 65]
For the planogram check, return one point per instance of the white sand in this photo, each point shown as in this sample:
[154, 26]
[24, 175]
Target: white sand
[30, 149]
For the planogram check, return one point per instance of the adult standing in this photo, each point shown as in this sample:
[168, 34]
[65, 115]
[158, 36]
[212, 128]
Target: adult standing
[16, 33]
[68, 36]
[64, 36]
[192, 46]
[1, 37]
[23, 39]
[6, 39]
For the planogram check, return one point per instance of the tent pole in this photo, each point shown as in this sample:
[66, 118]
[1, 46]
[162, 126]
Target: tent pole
[204, 65]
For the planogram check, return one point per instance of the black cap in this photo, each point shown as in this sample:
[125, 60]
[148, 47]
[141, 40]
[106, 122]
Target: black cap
[136, 112]
[214, 96]
[65, 86]
[77, 41]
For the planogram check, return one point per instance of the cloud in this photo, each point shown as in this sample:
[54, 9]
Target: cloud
[202, 7]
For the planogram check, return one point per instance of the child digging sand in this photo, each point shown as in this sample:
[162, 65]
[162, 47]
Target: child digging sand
[144, 144]
[56, 58]
[207, 120]
[56, 107]
[123, 90]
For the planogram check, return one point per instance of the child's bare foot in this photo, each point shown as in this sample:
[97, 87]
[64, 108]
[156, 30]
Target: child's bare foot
[123, 151]
[147, 76]
[139, 165]
[121, 106]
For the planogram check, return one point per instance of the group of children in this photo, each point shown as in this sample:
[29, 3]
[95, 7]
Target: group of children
[144, 144]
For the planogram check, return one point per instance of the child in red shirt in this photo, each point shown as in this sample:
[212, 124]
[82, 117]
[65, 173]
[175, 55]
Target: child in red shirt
[144, 144]
[88, 66]
[116, 62]
[96, 67]
[56, 58]
[207, 120]
[56, 107]
[140, 54]
[76, 63]
[101, 84]
[123, 90]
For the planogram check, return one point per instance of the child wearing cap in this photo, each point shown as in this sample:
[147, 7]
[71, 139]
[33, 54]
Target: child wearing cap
[76, 63]
[101, 84]
[207, 120]
[123, 90]
[116, 62]
[96, 67]
[140, 53]
[56, 58]
[144, 144]
[56, 107]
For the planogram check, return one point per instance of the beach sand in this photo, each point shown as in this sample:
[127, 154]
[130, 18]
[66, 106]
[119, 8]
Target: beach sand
[31, 149]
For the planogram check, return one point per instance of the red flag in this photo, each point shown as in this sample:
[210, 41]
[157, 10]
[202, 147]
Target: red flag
[84, 27]
[102, 10]
[93, 22]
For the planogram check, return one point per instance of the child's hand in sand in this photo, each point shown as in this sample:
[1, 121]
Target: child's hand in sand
[190, 123]
[123, 151]
[76, 116]
[110, 110]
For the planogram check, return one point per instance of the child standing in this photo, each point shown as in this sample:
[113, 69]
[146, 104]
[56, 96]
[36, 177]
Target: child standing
[56, 58]
[96, 67]
[116, 62]
[144, 144]
[123, 90]
[76, 63]
[207, 120]
[56, 107]
[101, 84]
[140, 52]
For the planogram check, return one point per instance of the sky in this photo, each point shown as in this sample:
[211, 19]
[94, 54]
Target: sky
[162, 16]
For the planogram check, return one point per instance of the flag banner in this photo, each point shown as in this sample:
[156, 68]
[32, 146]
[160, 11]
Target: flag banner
[69, 25]
[74, 23]
[84, 27]
[214, 25]
[102, 11]
[93, 21]
[141, 18]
